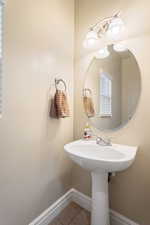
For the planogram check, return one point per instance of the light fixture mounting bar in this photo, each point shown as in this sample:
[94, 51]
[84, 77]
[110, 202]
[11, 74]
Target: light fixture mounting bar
[106, 19]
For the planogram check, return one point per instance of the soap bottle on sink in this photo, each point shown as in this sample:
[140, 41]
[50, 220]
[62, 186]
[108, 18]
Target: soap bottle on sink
[87, 132]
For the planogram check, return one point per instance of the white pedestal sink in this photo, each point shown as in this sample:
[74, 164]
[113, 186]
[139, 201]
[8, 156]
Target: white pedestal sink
[100, 160]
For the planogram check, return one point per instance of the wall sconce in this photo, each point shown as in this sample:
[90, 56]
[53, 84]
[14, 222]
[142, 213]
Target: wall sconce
[109, 28]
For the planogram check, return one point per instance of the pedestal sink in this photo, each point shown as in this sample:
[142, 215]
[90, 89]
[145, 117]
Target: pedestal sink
[100, 160]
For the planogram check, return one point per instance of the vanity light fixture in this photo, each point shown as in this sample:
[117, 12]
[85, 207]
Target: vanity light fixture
[91, 39]
[102, 53]
[120, 47]
[110, 27]
[116, 27]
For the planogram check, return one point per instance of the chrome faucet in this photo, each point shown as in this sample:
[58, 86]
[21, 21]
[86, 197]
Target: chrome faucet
[102, 141]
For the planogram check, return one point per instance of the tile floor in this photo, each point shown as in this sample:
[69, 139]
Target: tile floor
[73, 214]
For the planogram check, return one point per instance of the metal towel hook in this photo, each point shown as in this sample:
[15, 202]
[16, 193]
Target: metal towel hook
[57, 81]
[85, 90]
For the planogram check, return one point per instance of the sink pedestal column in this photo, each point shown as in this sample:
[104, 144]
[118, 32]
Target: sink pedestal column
[100, 204]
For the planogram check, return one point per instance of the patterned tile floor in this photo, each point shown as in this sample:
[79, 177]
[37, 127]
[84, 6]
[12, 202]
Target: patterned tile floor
[73, 214]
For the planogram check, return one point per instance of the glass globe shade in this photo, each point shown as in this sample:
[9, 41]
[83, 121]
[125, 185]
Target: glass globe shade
[116, 27]
[119, 47]
[102, 53]
[91, 34]
[91, 39]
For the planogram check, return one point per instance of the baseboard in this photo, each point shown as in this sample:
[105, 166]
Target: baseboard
[118, 219]
[49, 214]
[84, 201]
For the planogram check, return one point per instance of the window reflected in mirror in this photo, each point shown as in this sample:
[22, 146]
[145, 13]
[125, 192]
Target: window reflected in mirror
[105, 95]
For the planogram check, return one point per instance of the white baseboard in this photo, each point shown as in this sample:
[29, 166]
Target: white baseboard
[84, 201]
[49, 214]
[118, 219]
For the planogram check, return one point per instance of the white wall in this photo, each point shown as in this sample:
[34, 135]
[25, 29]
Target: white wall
[38, 44]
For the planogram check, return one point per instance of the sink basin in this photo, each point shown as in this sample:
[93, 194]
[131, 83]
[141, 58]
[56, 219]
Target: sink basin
[100, 160]
[94, 157]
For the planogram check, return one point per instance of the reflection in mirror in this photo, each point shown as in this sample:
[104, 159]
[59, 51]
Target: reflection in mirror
[112, 90]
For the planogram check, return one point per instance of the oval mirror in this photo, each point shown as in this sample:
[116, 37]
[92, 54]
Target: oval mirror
[112, 89]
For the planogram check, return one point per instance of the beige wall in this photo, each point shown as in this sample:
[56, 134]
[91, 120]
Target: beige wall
[38, 44]
[129, 190]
